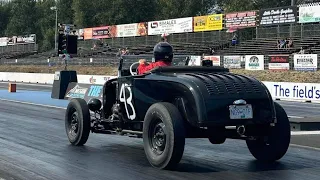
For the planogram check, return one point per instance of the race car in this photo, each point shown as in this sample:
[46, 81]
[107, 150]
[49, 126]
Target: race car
[169, 104]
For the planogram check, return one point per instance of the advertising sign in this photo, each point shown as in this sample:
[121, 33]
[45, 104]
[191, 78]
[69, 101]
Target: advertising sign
[170, 26]
[254, 62]
[232, 62]
[241, 19]
[279, 62]
[294, 91]
[195, 61]
[80, 34]
[104, 32]
[309, 14]
[127, 30]
[279, 15]
[305, 62]
[142, 29]
[87, 33]
[4, 41]
[215, 60]
[207, 23]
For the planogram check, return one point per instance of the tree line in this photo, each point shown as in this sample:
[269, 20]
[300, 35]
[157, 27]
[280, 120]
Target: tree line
[20, 17]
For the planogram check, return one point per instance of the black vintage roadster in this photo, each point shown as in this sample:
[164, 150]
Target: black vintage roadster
[169, 104]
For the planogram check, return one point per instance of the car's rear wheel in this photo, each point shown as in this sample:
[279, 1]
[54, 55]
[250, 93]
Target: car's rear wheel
[77, 122]
[274, 146]
[163, 135]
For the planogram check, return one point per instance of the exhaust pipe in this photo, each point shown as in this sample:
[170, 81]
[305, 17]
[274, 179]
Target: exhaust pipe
[241, 130]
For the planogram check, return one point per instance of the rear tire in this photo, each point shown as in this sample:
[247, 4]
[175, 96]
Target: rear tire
[163, 135]
[77, 122]
[277, 142]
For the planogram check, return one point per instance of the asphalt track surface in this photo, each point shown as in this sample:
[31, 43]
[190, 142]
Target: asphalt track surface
[34, 145]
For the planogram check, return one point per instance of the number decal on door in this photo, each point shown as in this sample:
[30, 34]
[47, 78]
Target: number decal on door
[127, 101]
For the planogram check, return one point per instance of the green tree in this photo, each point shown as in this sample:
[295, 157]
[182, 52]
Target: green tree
[22, 17]
[65, 11]
[45, 24]
[4, 18]
[83, 12]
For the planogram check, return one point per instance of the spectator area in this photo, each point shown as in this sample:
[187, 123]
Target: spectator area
[269, 46]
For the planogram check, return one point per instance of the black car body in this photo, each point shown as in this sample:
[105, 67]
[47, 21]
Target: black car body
[207, 99]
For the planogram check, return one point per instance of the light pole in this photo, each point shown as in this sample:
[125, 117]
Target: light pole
[54, 8]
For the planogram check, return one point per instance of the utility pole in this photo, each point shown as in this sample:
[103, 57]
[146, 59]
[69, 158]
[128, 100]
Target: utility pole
[54, 8]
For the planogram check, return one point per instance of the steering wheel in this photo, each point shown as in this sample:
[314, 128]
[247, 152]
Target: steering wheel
[131, 71]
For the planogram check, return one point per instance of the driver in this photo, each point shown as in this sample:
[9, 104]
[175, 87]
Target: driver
[163, 55]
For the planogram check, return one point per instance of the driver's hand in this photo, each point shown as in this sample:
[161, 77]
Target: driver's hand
[142, 61]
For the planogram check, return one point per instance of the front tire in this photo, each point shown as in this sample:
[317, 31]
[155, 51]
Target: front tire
[77, 122]
[277, 142]
[163, 135]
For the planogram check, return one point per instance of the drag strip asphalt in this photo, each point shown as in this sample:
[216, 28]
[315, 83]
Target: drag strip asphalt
[34, 145]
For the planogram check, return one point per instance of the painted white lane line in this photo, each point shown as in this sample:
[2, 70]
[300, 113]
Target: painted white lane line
[34, 104]
[305, 133]
[306, 147]
[299, 106]
[298, 117]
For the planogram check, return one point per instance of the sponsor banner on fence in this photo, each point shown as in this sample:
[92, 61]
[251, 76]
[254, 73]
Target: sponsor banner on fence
[142, 29]
[127, 30]
[279, 66]
[305, 62]
[241, 19]
[207, 23]
[294, 91]
[104, 32]
[87, 33]
[3, 41]
[133, 29]
[309, 14]
[80, 34]
[279, 62]
[170, 26]
[254, 62]
[195, 61]
[232, 62]
[279, 15]
[215, 60]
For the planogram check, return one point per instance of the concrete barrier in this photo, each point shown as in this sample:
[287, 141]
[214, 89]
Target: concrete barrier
[307, 92]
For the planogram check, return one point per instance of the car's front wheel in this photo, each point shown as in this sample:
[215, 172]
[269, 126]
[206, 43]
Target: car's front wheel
[77, 122]
[275, 145]
[163, 135]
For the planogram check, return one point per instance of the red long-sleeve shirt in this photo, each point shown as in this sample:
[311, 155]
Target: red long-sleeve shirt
[142, 68]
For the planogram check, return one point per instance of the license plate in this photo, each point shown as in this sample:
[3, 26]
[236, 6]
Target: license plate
[241, 112]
